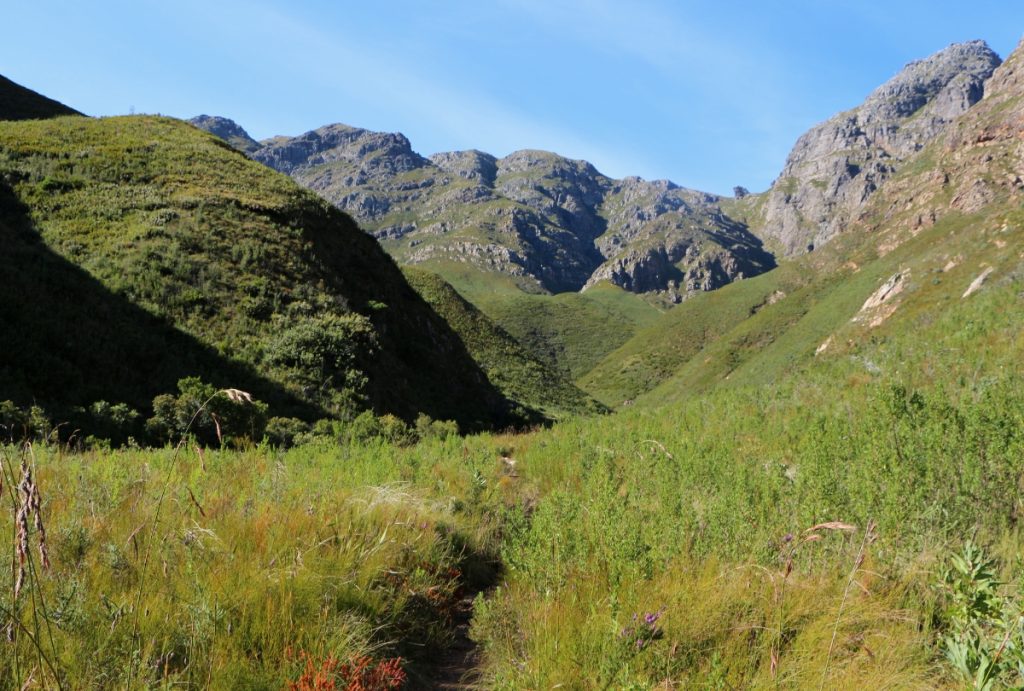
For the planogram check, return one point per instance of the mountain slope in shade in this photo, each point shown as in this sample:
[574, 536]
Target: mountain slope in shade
[20, 103]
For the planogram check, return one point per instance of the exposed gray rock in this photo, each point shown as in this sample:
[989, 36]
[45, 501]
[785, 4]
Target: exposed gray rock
[837, 165]
[532, 215]
[471, 165]
[228, 130]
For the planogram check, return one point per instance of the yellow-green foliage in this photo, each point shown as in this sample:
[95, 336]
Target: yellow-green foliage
[518, 374]
[174, 567]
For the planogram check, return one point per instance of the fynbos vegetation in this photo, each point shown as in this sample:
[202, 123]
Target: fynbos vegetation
[238, 449]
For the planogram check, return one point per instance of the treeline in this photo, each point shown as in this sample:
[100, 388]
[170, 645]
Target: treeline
[207, 415]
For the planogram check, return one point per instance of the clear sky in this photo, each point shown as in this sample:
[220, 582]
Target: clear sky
[707, 93]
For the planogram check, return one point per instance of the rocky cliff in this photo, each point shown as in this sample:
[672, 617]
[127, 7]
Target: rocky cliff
[836, 166]
[555, 225]
[552, 224]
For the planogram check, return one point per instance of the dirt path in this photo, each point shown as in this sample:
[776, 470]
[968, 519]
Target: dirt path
[459, 668]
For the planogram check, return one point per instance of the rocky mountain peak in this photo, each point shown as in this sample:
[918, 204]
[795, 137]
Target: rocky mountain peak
[470, 165]
[1008, 79]
[388, 152]
[226, 129]
[837, 165]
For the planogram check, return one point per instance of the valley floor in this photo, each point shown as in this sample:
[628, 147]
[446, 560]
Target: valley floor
[750, 539]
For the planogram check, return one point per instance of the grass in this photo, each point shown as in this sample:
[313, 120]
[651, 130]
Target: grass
[518, 374]
[257, 556]
[570, 331]
[682, 511]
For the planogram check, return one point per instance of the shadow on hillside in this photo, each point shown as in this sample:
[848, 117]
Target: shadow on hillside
[422, 364]
[66, 340]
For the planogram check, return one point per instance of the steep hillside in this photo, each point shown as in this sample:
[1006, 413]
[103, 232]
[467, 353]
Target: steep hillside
[835, 167]
[509, 365]
[20, 103]
[155, 221]
[552, 224]
[948, 226]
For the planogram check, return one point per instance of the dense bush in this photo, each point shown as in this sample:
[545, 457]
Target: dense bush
[214, 416]
[322, 355]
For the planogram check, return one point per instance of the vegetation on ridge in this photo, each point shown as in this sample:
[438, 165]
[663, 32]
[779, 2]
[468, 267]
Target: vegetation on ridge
[166, 226]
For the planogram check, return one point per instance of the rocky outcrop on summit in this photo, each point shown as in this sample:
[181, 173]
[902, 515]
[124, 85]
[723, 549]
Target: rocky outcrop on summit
[228, 130]
[836, 166]
[975, 163]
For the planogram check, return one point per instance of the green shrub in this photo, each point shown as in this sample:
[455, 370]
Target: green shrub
[213, 416]
[322, 356]
[429, 428]
[984, 642]
[13, 422]
[282, 431]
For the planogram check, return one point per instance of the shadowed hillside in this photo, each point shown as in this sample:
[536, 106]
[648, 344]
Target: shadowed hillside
[258, 270]
[19, 103]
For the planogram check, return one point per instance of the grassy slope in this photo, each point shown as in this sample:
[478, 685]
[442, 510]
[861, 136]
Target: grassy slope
[220, 569]
[654, 353]
[572, 331]
[568, 332]
[19, 103]
[701, 504]
[516, 373]
[173, 221]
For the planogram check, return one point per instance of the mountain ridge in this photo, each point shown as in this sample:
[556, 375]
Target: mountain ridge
[558, 225]
[21, 103]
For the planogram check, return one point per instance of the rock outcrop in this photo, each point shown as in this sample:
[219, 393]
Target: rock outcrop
[835, 167]
[228, 130]
[551, 223]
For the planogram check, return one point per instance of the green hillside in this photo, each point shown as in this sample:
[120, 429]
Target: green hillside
[568, 332]
[508, 365]
[166, 224]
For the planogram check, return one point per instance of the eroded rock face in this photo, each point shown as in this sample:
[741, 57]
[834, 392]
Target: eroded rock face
[558, 224]
[836, 166]
[226, 129]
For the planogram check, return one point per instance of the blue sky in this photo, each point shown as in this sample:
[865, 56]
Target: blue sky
[708, 94]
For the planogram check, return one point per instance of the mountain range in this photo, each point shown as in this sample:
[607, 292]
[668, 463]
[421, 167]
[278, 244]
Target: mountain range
[570, 276]
[558, 225]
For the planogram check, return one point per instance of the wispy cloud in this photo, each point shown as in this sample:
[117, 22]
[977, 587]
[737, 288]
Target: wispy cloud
[704, 64]
[343, 68]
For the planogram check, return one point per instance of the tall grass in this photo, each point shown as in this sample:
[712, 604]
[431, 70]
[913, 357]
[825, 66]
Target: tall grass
[356, 553]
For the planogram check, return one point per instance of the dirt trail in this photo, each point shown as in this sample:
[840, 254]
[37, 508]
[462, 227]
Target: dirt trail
[459, 668]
